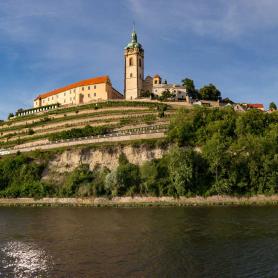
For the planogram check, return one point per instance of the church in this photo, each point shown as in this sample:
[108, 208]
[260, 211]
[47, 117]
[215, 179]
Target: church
[101, 89]
[136, 85]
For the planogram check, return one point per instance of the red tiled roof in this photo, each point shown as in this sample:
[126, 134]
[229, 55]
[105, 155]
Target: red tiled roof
[256, 105]
[91, 81]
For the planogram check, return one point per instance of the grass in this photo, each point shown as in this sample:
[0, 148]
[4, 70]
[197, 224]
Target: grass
[131, 120]
[42, 122]
[101, 105]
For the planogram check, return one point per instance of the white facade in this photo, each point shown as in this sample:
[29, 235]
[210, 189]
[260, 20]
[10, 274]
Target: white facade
[178, 91]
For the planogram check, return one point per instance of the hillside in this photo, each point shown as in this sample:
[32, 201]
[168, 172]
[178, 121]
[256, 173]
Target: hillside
[199, 152]
[92, 123]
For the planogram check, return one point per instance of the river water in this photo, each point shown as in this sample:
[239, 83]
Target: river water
[139, 242]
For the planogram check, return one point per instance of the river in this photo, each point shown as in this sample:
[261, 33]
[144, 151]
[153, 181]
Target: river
[139, 242]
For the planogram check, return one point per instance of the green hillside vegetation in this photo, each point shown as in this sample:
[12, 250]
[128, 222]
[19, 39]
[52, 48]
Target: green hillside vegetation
[213, 151]
[94, 106]
[79, 133]
[50, 125]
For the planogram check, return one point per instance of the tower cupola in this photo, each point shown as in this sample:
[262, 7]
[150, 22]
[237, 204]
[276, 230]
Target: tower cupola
[134, 68]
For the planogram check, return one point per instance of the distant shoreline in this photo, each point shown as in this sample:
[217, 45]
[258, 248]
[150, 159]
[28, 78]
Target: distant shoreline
[141, 201]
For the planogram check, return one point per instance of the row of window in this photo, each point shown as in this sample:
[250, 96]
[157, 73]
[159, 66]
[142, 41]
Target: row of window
[71, 99]
[89, 87]
[131, 63]
[131, 75]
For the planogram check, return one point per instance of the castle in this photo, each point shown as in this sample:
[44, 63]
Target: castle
[101, 89]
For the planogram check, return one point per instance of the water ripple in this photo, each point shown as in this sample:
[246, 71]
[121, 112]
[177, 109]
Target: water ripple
[23, 260]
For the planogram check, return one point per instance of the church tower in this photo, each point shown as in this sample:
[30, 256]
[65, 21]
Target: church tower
[134, 68]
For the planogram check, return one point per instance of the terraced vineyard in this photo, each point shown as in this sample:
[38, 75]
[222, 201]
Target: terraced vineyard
[84, 124]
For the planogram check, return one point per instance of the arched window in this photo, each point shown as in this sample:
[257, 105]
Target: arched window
[130, 75]
[131, 61]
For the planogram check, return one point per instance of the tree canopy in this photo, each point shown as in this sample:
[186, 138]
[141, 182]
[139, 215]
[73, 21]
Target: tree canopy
[209, 92]
[190, 87]
[272, 106]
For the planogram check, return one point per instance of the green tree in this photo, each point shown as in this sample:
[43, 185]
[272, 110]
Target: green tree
[209, 92]
[145, 94]
[111, 184]
[166, 95]
[181, 129]
[10, 115]
[149, 175]
[181, 171]
[252, 122]
[215, 151]
[81, 176]
[272, 106]
[190, 87]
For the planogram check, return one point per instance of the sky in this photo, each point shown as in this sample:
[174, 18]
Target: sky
[49, 44]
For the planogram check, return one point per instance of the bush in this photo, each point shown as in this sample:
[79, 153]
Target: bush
[79, 133]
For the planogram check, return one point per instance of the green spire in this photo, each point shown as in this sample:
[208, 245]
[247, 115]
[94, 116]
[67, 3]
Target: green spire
[134, 37]
[134, 42]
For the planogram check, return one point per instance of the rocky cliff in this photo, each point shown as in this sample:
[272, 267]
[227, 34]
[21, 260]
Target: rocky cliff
[64, 162]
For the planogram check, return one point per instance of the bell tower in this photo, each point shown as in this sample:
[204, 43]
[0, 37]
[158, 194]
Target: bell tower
[134, 68]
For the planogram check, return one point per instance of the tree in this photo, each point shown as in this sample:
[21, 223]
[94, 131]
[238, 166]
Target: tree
[209, 92]
[146, 94]
[127, 176]
[227, 100]
[272, 106]
[181, 129]
[181, 171]
[10, 115]
[190, 87]
[215, 151]
[166, 95]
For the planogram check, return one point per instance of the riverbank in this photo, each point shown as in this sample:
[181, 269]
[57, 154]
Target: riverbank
[142, 201]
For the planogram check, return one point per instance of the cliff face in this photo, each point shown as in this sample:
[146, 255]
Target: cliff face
[69, 160]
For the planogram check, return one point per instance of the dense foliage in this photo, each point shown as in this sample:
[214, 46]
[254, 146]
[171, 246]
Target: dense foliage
[214, 151]
[241, 150]
[190, 88]
[79, 133]
[209, 92]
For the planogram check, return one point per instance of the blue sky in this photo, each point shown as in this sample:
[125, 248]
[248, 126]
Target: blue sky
[48, 44]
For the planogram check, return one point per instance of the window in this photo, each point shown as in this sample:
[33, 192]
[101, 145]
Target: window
[48, 99]
[130, 75]
[64, 94]
[52, 98]
[95, 86]
[130, 61]
[140, 63]
[82, 88]
[89, 88]
[95, 94]
[155, 82]
[74, 90]
[88, 95]
[64, 101]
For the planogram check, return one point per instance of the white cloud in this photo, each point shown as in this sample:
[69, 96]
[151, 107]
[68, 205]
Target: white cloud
[218, 18]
